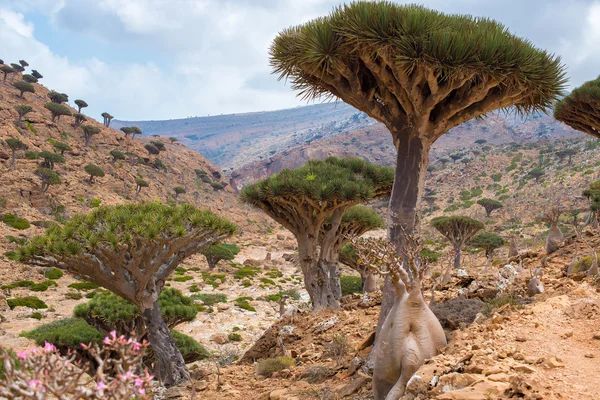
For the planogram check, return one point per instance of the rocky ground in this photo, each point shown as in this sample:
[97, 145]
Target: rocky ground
[544, 347]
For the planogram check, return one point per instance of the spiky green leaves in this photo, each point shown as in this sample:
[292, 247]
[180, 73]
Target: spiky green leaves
[114, 226]
[581, 108]
[458, 229]
[371, 54]
[323, 184]
[23, 87]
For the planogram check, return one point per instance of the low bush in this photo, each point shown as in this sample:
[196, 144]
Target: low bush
[27, 301]
[291, 293]
[490, 305]
[85, 286]
[234, 337]
[583, 264]
[213, 280]
[42, 286]
[183, 278]
[190, 349]
[53, 273]
[350, 284]
[74, 295]
[15, 222]
[246, 271]
[458, 312]
[210, 299]
[242, 302]
[37, 315]
[269, 366]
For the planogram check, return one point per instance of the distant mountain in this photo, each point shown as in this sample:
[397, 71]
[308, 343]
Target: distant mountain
[231, 141]
[254, 145]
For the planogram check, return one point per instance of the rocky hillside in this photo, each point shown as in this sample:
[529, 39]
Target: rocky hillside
[231, 141]
[374, 143]
[20, 188]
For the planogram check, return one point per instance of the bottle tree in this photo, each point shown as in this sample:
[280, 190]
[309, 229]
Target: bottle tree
[420, 73]
[304, 199]
[22, 111]
[489, 205]
[131, 250]
[489, 241]
[14, 145]
[218, 252]
[458, 230]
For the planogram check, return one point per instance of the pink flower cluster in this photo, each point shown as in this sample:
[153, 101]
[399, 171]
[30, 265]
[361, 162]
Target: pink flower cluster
[38, 372]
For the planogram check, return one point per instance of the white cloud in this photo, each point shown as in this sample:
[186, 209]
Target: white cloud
[200, 57]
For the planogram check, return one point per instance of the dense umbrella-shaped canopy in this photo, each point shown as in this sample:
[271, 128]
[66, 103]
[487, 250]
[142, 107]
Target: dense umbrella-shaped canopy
[581, 109]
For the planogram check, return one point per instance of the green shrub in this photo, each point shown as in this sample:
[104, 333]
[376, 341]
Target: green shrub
[246, 271]
[274, 273]
[27, 301]
[74, 295]
[190, 349]
[291, 293]
[267, 281]
[210, 299]
[490, 305]
[85, 286]
[183, 278]
[53, 273]
[246, 283]
[496, 177]
[37, 315]
[194, 288]
[94, 203]
[213, 280]
[242, 302]
[107, 311]
[22, 284]
[583, 264]
[180, 271]
[65, 333]
[350, 284]
[15, 222]
[269, 366]
[234, 337]
[42, 286]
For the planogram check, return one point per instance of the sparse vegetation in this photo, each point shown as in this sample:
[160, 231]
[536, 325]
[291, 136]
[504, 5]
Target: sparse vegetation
[269, 366]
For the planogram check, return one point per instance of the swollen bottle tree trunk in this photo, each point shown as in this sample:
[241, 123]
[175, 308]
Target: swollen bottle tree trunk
[410, 333]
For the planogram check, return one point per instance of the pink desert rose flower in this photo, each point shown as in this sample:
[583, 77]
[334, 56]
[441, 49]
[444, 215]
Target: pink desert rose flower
[22, 355]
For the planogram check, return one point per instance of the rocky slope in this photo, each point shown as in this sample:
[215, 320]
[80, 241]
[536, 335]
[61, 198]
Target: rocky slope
[20, 188]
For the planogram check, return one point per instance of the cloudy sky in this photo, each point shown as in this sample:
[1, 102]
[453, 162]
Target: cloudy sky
[163, 59]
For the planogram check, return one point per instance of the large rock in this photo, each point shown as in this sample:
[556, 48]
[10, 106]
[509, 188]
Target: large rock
[3, 303]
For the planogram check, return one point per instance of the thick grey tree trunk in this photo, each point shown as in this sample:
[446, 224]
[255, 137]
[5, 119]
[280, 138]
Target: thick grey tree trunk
[412, 159]
[170, 367]
[456, 256]
[316, 273]
[555, 236]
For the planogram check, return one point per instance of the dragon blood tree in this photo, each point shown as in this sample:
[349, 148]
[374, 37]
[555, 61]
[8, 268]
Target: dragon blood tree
[131, 250]
[420, 73]
[318, 193]
[458, 229]
[581, 108]
[355, 222]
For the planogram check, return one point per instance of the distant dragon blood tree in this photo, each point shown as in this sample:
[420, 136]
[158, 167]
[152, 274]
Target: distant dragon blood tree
[304, 200]
[218, 252]
[458, 230]
[131, 250]
[22, 111]
[489, 205]
[581, 108]
[420, 73]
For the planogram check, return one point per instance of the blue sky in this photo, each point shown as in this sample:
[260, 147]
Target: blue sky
[163, 59]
